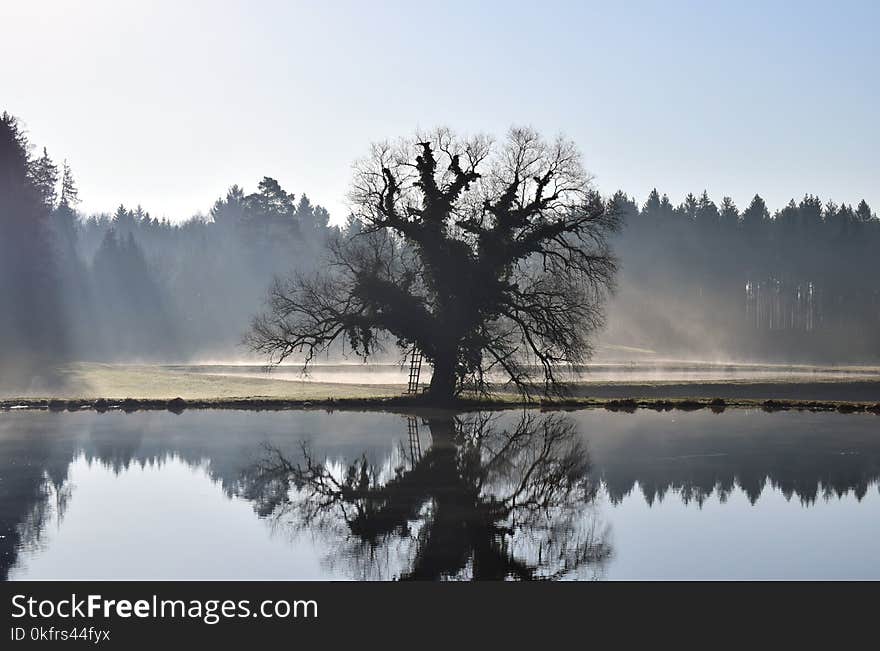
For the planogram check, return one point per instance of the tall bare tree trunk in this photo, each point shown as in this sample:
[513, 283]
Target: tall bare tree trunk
[442, 387]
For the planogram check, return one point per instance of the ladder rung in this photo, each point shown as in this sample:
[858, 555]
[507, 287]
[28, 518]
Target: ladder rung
[415, 368]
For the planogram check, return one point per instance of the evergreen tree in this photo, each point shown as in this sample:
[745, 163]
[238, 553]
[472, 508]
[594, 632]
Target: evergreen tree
[652, 204]
[706, 214]
[666, 209]
[64, 217]
[863, 212]
[271, 201]
[756, 215]
[624, 207]
[44, 176]
[69, 192]
[729, 213]
[810, 210]
[228, 212]
[788, 220]
[688, 209]
[31, 330]
[830, 212]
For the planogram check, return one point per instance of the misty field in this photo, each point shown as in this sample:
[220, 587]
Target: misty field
[87, 380]
[656, 380]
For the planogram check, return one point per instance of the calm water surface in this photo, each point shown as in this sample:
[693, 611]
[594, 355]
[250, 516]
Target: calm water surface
[314, 495]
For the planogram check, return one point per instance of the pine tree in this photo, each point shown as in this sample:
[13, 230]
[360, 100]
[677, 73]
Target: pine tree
[756, 215]
[788, 219]
[271, 200]
[863, 212]
[810, 210]
[830, 212]
[652, 204]
[666, 209]
[729, 212]
[706, 214]
[688, 208]
[44, 177]
[31, 325]
[64, 218]
[69, 191]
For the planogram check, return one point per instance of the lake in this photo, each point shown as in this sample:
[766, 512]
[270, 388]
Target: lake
[579, 495]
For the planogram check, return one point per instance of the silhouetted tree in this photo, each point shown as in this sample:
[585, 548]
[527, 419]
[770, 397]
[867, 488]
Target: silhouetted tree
[69, 192]
[483, 258]
[707, 215]
[44, 176]
[729, 214]
[756, 215]
[863, 212]
[688, 209]
[271, 200]
[31, 331]
[652, 203]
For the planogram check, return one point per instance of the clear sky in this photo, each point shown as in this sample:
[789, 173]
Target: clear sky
[167, 103]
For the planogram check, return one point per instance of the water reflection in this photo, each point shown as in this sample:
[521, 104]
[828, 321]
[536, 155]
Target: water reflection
[805, 459]
[485, 501]
[507, 495]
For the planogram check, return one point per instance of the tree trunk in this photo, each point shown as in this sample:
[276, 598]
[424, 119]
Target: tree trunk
[442, 388]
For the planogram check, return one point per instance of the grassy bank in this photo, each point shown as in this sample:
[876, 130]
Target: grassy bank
[406, 403]
[129, 387]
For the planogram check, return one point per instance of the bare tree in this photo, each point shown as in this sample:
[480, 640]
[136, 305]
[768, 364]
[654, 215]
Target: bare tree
[485, 257]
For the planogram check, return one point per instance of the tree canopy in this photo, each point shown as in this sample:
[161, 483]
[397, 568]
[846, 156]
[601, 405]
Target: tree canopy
[486, 257]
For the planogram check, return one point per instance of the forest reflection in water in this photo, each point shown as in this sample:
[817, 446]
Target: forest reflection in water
[439, 495]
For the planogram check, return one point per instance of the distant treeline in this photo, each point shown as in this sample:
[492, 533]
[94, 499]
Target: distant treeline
[697, 278]
[128, 286]
[176, 291]
[700, 278]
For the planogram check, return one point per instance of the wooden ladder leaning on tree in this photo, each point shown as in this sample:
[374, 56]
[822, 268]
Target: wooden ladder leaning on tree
[415, 370]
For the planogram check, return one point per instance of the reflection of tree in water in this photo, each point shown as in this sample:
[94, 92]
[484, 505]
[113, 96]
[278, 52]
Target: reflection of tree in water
[34, 486]
[397, 522]
[482, 502]
[49, 507]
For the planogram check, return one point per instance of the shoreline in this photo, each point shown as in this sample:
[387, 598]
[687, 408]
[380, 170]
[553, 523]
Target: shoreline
[407, 403]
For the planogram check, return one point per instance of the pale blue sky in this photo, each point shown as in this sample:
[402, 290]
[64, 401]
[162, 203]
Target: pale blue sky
[168, 103]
